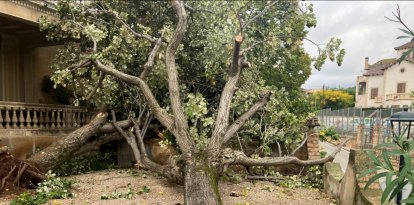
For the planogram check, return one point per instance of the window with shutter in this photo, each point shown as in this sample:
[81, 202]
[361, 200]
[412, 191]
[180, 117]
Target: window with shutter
[401, 88]
[374, 93]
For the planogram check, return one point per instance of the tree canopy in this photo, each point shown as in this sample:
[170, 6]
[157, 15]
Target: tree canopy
[203, 68]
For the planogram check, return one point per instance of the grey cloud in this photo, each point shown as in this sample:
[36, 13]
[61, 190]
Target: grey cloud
[364, 32]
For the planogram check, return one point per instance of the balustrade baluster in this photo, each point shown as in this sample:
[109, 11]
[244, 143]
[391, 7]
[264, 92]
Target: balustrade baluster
[14, 118]
[58, 121]
[21, 118]
[28, 118]
[53, 119]
[78, 121]
[47, 119]
[7, 118]
[1, 118]
[83, 118]
[64, 118]
[34, 117]
[69, 118]
[41, 118]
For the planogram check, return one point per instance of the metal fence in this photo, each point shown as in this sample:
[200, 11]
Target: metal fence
[345, 121]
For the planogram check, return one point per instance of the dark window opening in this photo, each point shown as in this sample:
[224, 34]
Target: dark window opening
[374, 93]
[362, 87]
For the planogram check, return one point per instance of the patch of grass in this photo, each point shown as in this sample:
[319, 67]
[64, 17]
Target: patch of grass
[125, 195]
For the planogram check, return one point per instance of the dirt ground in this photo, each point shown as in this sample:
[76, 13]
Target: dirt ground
[90, 187]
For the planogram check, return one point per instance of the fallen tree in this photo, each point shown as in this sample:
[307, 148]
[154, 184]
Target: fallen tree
[201, 160]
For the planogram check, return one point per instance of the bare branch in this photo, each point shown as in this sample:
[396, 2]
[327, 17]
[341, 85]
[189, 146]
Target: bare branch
[98, 85]
[159, 113]
[129, 139]
[399, 19]
[150, 63]
[171, 171]
[198, 9]
[246, 116]
[301, 144]
[184, 140]
[79, 65]
[259, 14]
[242, 159]
[243, 51]
[222, 119]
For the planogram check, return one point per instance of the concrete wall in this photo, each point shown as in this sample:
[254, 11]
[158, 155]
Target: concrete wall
[22, 71]
[374, 82]
[347, 188]
[23, 143]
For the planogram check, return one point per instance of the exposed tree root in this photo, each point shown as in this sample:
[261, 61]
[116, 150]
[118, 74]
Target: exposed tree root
[16, 174]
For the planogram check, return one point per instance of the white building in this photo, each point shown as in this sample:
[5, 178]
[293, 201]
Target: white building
[387, 83]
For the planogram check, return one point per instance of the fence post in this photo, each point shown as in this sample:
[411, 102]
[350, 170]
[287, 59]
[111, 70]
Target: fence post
[313, 139]
[359, 136]
[376, 134]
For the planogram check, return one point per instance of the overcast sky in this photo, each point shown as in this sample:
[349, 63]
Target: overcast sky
[364, 33]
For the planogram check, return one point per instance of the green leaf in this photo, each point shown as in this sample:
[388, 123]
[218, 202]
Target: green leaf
[374, 178]
[408, 200]
[369, 171]
[387, 160]
[374, 158]
[388, 189]
[406, 31]
[400, 37]
[387, 145]
[397, 189]
[405, 55]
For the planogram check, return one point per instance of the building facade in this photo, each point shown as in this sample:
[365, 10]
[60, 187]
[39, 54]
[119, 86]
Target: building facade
[29, 118]
[387, 83]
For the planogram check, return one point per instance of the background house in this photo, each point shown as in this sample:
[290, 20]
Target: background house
[387, 83]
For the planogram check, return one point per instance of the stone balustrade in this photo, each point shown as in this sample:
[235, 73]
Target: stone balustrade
[17, 115]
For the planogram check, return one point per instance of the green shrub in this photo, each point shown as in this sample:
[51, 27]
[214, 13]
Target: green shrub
[327, 133]
[51, 188]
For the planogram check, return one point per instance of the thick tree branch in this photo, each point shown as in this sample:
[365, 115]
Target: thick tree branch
[98, 85]
[130, 139]
[97, 143]
[159, 113]
[150, 63]
[242, 159]
[170, 171]
[183, 137]
[246, 116]
[222, 119]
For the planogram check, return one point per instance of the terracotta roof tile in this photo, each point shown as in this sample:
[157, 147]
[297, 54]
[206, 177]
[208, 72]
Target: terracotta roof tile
[379, 67]
[406, 45]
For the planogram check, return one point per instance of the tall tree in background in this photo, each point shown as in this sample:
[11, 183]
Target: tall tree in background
[241, 55]
[334, 99]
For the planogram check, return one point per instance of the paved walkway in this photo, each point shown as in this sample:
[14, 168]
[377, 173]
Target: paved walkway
[342, 157]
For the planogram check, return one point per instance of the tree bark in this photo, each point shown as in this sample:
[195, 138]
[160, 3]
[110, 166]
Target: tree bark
[64, 148]
[200, 184]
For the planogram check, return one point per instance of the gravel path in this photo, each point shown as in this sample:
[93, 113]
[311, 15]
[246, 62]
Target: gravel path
[90, 187]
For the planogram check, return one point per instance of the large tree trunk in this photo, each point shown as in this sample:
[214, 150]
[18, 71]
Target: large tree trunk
[64, 148]
[200, 184]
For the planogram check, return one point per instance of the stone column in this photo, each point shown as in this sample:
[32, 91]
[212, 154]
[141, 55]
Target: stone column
[313, 139]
